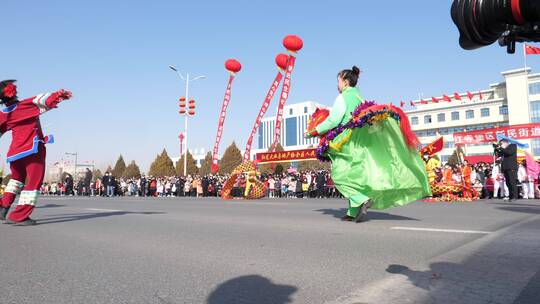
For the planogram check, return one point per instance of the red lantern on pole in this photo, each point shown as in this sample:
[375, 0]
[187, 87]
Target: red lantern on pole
[282, 60]
[191, 104]
[182, 105]
[293, 43]
[233, 66]
[191, 112]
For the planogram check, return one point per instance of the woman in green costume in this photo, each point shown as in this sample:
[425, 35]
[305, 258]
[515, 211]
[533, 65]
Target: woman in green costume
[375, 163]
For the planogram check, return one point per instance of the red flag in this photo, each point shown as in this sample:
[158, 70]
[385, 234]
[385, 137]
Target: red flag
[412, 103]
[422, 101]
[531, 50]
[434, 147]
[480, 94]
[434, 99]
[402, 104]
[446, 98]
[457, 96]
[470, 95]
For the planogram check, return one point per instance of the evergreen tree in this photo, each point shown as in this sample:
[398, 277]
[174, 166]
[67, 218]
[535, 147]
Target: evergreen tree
[206, 166]
[231, 159]
[96, 173]
[191, 165]
[119, 167]
[457, 156]
[312, 165]
[162, 165]
[132, 171]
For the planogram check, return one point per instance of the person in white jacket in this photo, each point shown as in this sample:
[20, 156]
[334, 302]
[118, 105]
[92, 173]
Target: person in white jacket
[524, 180]
[498, 181]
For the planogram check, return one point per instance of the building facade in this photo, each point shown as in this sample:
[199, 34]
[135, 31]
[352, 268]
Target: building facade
[513, 101]
[295, 121]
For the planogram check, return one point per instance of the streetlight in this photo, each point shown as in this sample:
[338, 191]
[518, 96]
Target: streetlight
[187, 81]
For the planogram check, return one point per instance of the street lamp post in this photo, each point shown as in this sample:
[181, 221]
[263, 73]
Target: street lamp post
[187, 81]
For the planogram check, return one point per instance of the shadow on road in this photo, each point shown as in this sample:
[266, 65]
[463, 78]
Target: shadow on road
[50, 206]
[531, 210]
[372, 215]
[251, 289]
[62, 218]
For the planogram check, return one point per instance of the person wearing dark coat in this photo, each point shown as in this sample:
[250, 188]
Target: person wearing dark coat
[87, 180]
[106, 181]
[509, 166]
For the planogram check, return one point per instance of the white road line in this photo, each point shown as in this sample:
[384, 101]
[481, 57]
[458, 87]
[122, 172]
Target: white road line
[441, 230]
[105, 210]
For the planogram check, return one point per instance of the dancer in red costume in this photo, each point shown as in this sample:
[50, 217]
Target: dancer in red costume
[26, 155]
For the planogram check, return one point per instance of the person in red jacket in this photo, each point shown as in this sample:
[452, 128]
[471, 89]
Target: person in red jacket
[26, 154]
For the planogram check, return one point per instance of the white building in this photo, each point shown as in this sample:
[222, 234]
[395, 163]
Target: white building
[513, 101]
[295, 120]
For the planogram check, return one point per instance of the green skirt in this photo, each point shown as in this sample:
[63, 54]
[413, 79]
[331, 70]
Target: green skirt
[376, 163]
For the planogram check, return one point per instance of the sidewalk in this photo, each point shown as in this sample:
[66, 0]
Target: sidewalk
[500, 268]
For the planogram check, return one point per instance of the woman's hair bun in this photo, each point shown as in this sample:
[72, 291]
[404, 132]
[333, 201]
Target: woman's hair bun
[356, 70]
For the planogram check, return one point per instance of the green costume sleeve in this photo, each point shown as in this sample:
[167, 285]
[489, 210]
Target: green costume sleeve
[336, 116]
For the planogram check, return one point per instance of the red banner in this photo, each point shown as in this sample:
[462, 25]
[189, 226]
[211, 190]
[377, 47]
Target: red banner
[524, 131]
[221, 121]
[264, 108]
[286, 156]
[282, 100]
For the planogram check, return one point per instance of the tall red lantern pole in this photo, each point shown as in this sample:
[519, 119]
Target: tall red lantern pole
[293, 44]
[281, 62]
[233, 66]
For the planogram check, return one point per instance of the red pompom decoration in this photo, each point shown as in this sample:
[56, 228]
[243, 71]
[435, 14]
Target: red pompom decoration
[233, 66]
[293, 43]
[282, 60]
[10, 91]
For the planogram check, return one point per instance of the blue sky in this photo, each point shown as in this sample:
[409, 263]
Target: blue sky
[114, 55]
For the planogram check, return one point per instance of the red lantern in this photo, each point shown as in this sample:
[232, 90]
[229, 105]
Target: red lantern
[182, 99]
[191, 112]
[293, 43]
[233, 66]
[182, 103]
[282, 60]
[191, 106]
[182, 111]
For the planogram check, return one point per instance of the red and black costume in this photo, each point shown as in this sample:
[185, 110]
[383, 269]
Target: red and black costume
[26, 154]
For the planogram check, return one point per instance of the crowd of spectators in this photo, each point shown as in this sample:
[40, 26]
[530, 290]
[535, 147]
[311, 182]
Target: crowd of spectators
[308, 184]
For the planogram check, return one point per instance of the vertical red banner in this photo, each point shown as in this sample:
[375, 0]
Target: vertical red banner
[262, 111]
[282, 100]
[221, 122]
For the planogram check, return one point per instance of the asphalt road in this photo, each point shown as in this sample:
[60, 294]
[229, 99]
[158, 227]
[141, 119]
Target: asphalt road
[168, 250]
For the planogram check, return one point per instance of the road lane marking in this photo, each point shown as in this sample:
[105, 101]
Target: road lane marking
[104, 210]
[441, 230]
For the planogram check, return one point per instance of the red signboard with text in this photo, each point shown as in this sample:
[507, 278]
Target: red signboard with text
[286, 156]
[525, 131]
